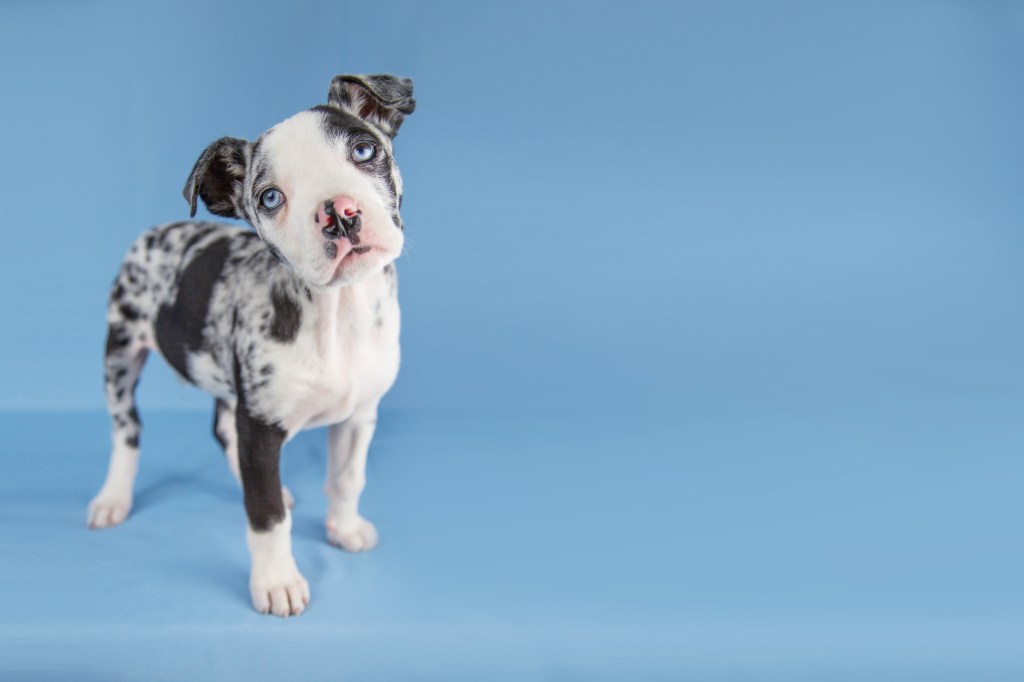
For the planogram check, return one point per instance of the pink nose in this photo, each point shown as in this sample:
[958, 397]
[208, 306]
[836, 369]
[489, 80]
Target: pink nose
[340, 209]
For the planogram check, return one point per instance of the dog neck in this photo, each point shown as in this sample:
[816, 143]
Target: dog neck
[351, 308]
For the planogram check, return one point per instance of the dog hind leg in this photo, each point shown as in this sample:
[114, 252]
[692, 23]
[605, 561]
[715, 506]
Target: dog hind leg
[125, 357]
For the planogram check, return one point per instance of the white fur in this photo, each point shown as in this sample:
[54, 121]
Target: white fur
[341, 361]
[343, 358]
[114, 500]
[307, 171]
[349, 443]
[275, 584]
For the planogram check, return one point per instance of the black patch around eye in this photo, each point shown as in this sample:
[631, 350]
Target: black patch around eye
[337, 124]
[260, 178]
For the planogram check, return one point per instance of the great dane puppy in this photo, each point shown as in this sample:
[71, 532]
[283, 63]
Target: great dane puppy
[291, 326]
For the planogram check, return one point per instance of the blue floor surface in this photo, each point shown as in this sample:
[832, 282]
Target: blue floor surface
[879, 544]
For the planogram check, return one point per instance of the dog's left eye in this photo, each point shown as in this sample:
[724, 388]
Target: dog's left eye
[271, 198]
[363, 151]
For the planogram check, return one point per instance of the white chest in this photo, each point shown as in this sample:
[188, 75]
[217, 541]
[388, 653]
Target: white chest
[344, 359]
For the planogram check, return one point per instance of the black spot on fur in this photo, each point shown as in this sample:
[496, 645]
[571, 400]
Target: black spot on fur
[275, 252]
[287, 316]
[389, 272]
[132, 441]
[129, 312]
[331, 250]
[117, 338]
[179, 327]
[378, 320]
[200, 233]
[259, 454]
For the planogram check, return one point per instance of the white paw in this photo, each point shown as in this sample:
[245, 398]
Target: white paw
[289, 501]
[109, 508]
[278, 588]
[354, 535]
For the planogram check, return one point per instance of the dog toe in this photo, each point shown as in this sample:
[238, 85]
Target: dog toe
[107, 510]
[282, 592]
[358, 535]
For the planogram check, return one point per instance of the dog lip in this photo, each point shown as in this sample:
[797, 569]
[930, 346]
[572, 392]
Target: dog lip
[347, 255]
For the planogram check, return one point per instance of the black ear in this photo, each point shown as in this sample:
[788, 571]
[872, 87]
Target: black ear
[381, 100]
[218, 178]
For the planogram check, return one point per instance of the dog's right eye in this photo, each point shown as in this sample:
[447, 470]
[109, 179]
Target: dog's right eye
[271, 198]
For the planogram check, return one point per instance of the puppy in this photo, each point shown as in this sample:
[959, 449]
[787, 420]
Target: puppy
[291, 326]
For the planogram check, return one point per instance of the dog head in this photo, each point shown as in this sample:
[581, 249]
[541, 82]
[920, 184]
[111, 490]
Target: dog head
[321, 188]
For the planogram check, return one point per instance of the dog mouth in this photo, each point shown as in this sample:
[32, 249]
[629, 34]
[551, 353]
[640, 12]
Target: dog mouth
[353, 253]
[349, 264]
[331, 250]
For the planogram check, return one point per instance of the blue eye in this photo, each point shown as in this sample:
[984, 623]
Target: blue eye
[271, 198]
[363, 151]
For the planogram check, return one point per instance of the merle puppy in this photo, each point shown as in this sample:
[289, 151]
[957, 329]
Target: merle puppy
[289, 327]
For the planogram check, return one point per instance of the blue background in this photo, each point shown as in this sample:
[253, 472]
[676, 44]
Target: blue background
[712, 343]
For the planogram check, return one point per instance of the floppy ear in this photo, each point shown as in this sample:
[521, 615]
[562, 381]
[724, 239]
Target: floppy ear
[218, 178]
[381, 100]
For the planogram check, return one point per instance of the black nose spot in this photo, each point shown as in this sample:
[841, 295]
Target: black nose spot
[340, 225]
[334, 228]
[352, 226]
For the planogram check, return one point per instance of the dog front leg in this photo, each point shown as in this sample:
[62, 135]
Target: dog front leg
[348, 445]
[275, 584]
